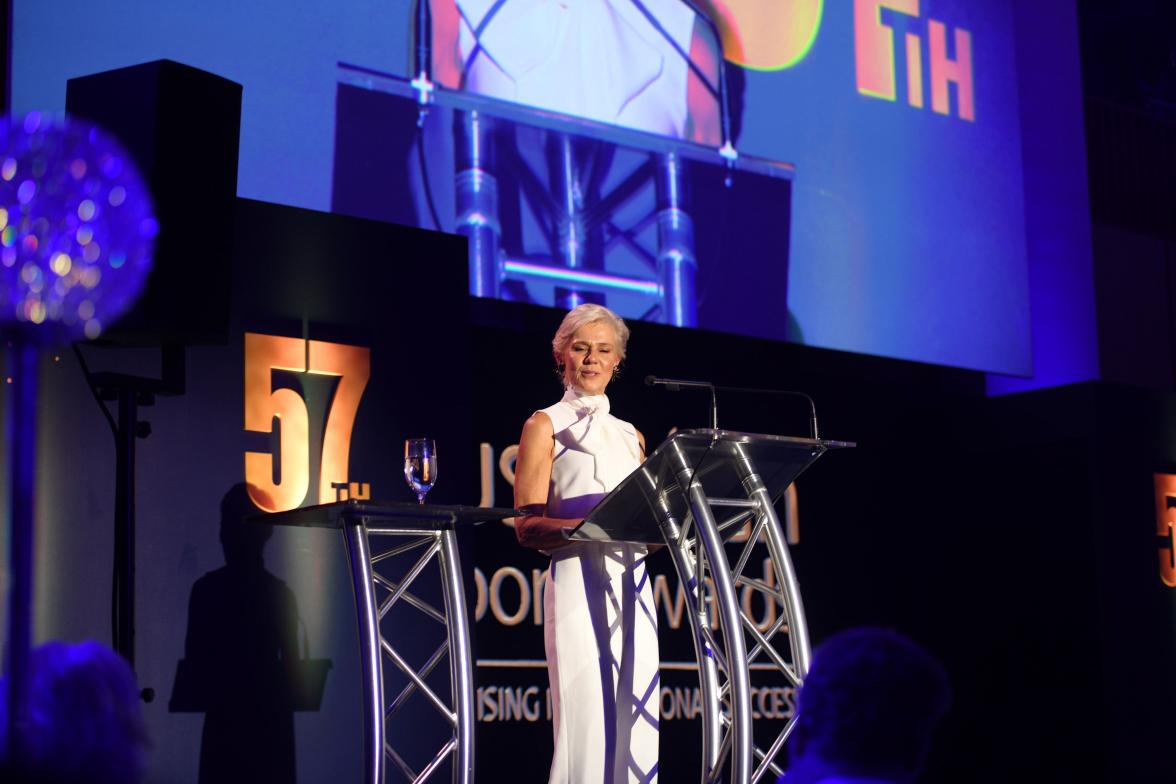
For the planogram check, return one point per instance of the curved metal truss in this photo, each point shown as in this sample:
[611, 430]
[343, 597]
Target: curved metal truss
[728, 641]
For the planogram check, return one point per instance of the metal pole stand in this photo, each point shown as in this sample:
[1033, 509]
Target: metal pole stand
[132, 393]
[21, 371]
[701, 559]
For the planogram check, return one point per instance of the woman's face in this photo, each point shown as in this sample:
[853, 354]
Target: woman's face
[592, 357]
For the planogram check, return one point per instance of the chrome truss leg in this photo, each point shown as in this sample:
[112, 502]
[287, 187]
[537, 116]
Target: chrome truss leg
[691, 575]
[772, 533]
[766, 528]
[461, 657]
[730, 653]
[378, 590]
[725, 658]
[359, 555]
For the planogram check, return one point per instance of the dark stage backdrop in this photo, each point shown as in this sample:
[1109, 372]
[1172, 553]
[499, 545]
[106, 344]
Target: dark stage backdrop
[397, 292]
[1018, 539]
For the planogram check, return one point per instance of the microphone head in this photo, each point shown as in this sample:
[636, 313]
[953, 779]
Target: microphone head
[650, 380]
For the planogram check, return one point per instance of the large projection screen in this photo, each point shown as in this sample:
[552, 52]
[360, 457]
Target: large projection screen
[902, 232]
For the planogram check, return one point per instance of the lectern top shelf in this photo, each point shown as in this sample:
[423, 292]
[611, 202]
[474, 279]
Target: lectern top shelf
[722, 464]
[706, 435]
[426, 517]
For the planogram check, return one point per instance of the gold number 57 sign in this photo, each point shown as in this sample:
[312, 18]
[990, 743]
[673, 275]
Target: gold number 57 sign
[264, 404]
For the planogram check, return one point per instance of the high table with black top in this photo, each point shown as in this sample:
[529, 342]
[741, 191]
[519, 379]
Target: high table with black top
[433, 529]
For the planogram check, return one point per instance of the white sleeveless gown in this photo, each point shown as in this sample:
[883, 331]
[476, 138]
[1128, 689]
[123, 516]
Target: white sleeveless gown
[600, 629]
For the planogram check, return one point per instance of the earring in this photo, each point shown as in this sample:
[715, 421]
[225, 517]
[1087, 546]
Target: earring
[616, 373]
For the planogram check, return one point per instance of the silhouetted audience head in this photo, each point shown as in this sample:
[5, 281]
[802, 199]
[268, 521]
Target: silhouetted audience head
[85, 721]
[867, 709]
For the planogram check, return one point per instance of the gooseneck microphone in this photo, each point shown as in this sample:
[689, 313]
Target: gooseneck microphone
[783, 393]
[675, 384]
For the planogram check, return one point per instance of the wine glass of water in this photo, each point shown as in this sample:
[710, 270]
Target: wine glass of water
[420, 465]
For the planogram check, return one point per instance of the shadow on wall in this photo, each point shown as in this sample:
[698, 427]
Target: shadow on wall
[242, 666]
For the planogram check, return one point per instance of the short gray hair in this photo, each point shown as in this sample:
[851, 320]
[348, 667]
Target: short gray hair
[583, 315]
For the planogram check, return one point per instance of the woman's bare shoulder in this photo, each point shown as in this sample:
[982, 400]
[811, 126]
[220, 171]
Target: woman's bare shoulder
[538, 425]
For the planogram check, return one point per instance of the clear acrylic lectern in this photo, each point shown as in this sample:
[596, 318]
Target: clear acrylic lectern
[696, 491]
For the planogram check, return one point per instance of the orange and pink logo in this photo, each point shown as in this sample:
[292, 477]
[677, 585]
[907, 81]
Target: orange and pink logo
[1166, 526]
[875, 54]
[772, 35]
[285, 409]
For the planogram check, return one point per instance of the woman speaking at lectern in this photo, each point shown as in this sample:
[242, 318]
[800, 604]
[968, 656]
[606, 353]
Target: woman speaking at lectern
[600, 629]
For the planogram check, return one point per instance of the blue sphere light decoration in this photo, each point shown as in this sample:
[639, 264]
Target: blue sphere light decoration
[77, 228]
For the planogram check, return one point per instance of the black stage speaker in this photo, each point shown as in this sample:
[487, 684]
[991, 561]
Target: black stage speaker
[182, 126]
